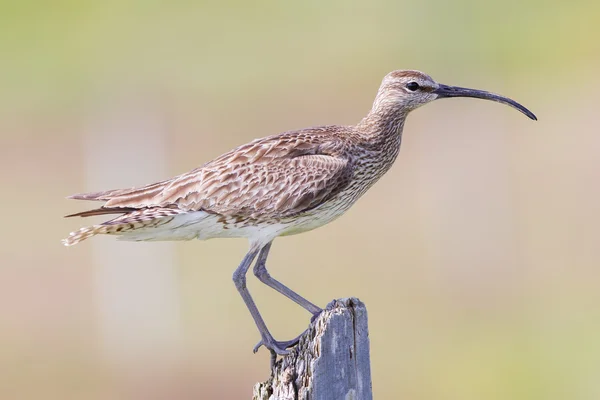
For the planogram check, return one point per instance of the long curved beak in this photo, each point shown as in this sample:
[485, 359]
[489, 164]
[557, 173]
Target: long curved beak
[455, 91]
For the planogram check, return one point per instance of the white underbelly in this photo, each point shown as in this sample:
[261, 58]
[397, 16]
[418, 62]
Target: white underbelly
[316, 218]
[203, 226]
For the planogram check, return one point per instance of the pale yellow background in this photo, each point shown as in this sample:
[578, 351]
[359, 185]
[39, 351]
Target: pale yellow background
[478, 254]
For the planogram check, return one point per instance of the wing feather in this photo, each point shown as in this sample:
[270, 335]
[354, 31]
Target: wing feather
[280, 188]
[277, 176]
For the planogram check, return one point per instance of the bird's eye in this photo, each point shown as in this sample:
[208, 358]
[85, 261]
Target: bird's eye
[412, 86]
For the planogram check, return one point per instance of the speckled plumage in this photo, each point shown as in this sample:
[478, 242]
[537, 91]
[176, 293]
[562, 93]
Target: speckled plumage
[275, 186]
[293, 182]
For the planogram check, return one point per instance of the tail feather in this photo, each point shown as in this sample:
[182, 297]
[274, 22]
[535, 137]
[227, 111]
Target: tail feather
[107, 195]
[85, 233]
[137, 219]
[101, 211]
[97, 196]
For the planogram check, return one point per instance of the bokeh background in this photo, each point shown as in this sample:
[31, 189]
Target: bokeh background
[478, 254]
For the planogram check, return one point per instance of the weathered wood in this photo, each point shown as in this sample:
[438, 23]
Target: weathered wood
[331, 361]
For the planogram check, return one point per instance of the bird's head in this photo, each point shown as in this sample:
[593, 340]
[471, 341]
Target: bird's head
[407, 90]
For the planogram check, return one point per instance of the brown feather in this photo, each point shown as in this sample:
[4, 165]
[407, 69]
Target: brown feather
[101, 211]
[131, 221]
[106, 195]
[273, 177]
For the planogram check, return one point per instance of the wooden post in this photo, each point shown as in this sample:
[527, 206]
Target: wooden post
[331, 362]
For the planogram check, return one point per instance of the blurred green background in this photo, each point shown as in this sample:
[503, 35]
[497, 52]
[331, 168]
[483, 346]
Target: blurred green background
[477, 255]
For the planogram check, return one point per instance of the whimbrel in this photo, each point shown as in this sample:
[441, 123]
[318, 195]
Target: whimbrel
[275, 186]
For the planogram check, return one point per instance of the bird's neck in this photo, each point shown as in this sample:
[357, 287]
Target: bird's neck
[380, 135]
[383, 125]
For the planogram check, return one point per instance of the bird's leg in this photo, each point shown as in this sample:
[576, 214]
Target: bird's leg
[239, 278]
[260, 271]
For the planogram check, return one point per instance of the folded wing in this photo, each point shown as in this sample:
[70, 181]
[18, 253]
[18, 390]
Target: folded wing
[271, 177]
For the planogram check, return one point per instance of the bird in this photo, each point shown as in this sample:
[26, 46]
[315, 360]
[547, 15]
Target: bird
[279, 185]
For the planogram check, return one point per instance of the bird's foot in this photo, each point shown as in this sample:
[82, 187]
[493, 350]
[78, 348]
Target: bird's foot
[277, 347]
[280, 348]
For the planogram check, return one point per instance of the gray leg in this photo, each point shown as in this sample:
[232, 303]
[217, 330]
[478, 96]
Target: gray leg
[239, 278]
[260, 270]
